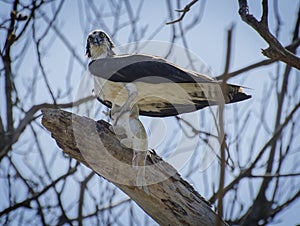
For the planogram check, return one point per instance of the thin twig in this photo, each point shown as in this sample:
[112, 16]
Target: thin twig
[261, 63]
[29, 116]
[183, 11]
[268, 175]
[37, 194]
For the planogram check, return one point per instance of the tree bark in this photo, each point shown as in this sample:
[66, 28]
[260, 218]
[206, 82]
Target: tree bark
[170, 200]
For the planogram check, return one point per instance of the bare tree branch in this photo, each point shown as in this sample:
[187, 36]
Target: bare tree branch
[222, 138]
[183, 11]
[292, 47]
[81, 197]
[26, 203]
[275, 50]
[247, 172]
[275, 175]
[29, 116]
[169, 202]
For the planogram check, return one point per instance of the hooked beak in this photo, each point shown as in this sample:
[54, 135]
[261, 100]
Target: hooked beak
[96, 40]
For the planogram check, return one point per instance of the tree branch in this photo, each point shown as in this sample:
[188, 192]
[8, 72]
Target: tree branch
[26, 203]
[170, 199]
[275, 50]
[292, 47]
[248, 172]
[183, 11]
[29, 117]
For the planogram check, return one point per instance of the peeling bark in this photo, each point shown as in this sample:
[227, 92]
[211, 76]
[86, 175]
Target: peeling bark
[170, 199]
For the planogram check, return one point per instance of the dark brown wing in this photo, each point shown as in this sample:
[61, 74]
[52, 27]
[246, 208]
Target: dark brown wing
[145, 68]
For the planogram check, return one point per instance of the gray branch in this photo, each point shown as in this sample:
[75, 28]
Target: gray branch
[170, 201]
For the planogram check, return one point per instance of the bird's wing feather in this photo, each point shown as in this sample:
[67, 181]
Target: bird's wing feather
[144, 68]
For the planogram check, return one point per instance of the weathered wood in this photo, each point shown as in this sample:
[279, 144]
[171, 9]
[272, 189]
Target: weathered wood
[170, 199]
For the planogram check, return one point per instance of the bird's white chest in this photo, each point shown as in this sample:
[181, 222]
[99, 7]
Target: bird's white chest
[153, 97]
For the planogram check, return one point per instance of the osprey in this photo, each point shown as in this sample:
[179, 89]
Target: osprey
[138, 84]
[163, 88]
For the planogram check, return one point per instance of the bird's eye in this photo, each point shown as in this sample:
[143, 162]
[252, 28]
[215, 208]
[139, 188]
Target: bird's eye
[102, 35]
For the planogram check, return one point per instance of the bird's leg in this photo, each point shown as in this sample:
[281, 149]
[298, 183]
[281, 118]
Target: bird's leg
[127, 106]
[126, 123]
[139, 146]
[117, 127]
[120, 116]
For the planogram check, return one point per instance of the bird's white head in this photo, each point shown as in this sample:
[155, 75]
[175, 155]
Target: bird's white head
[99, 45]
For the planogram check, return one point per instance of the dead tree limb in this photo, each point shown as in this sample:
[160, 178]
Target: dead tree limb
[275, 51]
[170, 199]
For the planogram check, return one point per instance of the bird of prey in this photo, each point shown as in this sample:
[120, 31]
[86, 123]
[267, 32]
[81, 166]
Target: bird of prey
[164, 89]
[138, 84]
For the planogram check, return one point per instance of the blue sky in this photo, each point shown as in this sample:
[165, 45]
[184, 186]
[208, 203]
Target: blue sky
[207, 40]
